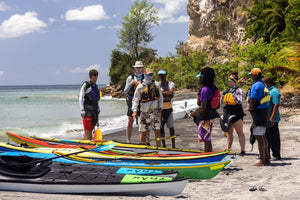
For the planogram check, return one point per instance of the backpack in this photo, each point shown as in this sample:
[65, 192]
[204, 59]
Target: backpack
[215, 100]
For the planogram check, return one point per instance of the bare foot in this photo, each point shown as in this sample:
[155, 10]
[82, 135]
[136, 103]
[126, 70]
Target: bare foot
[259, 164]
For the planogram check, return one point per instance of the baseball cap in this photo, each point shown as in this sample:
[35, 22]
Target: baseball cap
[199, 75]
[162, 72]
[255, 71]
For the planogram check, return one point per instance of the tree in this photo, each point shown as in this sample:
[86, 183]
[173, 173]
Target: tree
[136, 27]
[273, 19]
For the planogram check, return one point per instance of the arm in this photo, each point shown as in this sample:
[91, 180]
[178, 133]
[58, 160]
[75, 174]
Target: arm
[275, 110]
[238, 96]
[136, 98]
[200, 110]
[252, 104]
[81, 96]
[129, 83]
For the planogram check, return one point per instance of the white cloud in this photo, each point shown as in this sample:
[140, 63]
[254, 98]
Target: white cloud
[3, 6]
[88, 13]
[1, 73]
[100, 27]
[118, 26]
[172, 11]
[78, 70]
[18, 25]
[51, 20]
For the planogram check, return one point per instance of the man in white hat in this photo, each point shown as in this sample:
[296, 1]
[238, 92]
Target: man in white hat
[131, 84]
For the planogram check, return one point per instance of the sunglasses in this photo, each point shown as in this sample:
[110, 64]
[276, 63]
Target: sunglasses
[150, 74]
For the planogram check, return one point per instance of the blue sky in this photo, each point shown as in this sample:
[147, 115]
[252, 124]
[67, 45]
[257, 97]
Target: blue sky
[57, 41]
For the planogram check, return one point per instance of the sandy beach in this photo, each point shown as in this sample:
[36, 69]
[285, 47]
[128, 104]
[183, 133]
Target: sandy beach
[280, 180]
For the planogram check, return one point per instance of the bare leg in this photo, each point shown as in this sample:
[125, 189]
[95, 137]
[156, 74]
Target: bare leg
[238, 126]
[172, 133]
[162, 133]
[207, 146]
[129, 129]
[230, 137]
[87, 135]
[157, 135]
[263, 154]
[143, 136]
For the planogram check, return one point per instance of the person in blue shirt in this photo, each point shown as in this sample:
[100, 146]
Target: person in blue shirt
[258, 107]
[272, 132]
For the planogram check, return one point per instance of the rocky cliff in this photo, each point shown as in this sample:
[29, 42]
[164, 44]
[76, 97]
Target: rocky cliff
[215, 24]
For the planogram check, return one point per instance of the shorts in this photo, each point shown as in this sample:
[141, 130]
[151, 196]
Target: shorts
[87, 123]
[204, 130]
[149, 119]
[259, 130]
[169, 121]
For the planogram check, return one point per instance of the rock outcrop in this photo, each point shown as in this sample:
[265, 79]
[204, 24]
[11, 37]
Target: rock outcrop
[215, 24]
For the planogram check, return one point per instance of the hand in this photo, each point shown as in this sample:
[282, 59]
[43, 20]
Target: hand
[272, 122]
[132, 82]
[134, 115]
[192, 114]
[158, 115]
[83, 114]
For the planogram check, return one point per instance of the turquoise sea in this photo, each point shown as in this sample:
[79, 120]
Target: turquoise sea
[53, 111]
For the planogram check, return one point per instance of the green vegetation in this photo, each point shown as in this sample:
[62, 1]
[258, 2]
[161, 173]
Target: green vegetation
[273, 27]
[133, 38]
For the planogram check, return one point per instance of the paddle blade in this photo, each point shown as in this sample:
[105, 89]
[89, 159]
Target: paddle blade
[103, 147]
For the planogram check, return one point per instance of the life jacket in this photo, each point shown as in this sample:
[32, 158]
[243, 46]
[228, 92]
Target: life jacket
[228, 97]
[150, 93]
[133, 87]
[91, 99]
[265, 98]
[167, 104]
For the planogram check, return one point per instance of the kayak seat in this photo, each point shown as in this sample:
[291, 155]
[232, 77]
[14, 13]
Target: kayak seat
[20, 166]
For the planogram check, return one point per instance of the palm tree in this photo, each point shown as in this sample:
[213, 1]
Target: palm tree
[274, 15]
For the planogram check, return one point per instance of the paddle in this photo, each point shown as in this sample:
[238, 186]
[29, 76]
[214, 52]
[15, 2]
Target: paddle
[97, 149]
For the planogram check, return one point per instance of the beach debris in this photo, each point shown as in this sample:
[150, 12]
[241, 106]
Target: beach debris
[253, 189]
[25, 97]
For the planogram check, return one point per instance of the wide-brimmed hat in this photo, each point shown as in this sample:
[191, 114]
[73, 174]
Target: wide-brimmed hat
[138, 64]
[255, 71]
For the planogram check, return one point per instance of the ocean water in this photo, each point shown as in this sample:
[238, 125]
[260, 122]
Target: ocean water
[53, 111]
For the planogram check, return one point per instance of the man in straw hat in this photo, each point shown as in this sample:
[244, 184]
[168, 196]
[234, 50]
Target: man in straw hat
[149, 96]
[131, 84]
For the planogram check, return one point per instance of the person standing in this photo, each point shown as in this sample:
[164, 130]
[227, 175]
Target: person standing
[167, 88]
[233, 112]
[204, 116]
[258, 107]
[272, 132]
[131, 84]
[149, 96]
[88, 101]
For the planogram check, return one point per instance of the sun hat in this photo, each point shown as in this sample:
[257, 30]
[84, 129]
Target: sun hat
[162, 72]
[199, 75]
[255, 71]
[138, 64]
